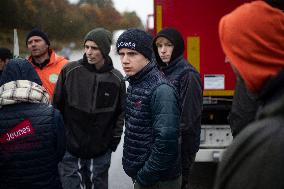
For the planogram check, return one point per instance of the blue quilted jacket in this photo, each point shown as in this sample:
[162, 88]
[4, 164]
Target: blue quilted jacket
[32, 139]
[151, 150]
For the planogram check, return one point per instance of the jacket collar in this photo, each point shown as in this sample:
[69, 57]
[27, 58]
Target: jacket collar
[42, 64]
[108, 65]
[142, 74]
[172, 65]
[272, 96]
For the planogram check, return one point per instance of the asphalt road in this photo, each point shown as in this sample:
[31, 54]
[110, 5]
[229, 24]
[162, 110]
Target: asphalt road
[202, 174]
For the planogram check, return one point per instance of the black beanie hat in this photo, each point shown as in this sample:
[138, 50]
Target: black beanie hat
[102, 38]
[38, 32]
[175, 38]
[5, 54]
[137, 40]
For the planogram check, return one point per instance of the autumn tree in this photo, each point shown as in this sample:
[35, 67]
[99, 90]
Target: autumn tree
[62, 20]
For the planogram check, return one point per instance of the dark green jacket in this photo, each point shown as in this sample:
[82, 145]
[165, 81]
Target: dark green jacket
[92, 104]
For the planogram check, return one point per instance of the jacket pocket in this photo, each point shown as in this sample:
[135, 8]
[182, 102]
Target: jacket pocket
[107, 96]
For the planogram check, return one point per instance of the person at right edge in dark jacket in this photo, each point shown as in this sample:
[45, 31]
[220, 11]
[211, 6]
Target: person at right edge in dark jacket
[32, 140]
[168, 46]
[252, 38]
[151, 150]
[90, 93]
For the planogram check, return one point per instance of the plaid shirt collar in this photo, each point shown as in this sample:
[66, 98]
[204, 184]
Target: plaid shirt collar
[19, 91]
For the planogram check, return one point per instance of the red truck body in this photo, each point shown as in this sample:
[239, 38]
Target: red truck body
[198, 23]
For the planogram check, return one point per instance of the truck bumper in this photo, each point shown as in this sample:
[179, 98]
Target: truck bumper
[209, 155]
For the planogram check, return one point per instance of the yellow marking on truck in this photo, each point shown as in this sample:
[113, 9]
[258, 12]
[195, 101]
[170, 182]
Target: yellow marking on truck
[193, 52]
[218, 92]
[159, 14]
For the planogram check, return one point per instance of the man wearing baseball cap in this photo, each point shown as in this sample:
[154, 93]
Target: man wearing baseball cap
[90, 94]
[45, 61]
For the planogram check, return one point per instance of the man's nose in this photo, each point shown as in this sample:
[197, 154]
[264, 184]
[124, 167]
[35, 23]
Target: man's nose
[124, 60]
[163, 49]
[32, 43]
[88, 51]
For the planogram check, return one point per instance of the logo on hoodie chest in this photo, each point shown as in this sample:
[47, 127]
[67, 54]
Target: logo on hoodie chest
[138, 104]
[53, 78]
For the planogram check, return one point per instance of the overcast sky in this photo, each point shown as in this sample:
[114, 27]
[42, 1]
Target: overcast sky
[142, 7]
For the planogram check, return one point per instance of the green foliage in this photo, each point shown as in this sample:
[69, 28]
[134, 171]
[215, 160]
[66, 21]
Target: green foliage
[61, 20]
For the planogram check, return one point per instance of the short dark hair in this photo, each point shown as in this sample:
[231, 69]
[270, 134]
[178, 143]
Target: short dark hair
[5, 53]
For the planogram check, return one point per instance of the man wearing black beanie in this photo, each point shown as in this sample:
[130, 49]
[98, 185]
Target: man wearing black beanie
[151, 150]
[90, 93]
[44, 60]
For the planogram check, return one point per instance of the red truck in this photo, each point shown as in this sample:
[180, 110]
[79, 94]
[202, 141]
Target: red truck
[198, 22]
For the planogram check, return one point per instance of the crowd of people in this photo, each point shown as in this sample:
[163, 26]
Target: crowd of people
[60, 121]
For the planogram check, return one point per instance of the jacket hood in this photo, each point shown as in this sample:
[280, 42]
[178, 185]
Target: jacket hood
[260, 29]
[19, 69]
[175, 38]
[138, 77]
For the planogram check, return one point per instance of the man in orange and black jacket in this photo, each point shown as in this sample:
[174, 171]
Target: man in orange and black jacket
[45, 61]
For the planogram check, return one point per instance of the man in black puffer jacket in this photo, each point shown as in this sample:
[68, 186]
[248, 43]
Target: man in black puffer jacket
[151, 151]
[168, 46]
[32, 139]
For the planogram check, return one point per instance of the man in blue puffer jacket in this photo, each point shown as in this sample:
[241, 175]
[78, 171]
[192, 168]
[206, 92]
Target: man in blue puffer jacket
[32, 139]
[151, 151]
[168, 46]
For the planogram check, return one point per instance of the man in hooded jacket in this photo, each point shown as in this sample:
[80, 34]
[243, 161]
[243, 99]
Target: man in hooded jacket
[255, 158]
[168, 46]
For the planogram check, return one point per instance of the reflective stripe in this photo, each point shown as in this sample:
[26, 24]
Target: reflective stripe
[193, 51]
[159, 16]
[218, 92]
[82, 186]
[91, 170]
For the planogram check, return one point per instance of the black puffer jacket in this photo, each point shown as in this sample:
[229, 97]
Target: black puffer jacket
[92, 103]
[31, 161]
[151, 151]
[187, 81]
